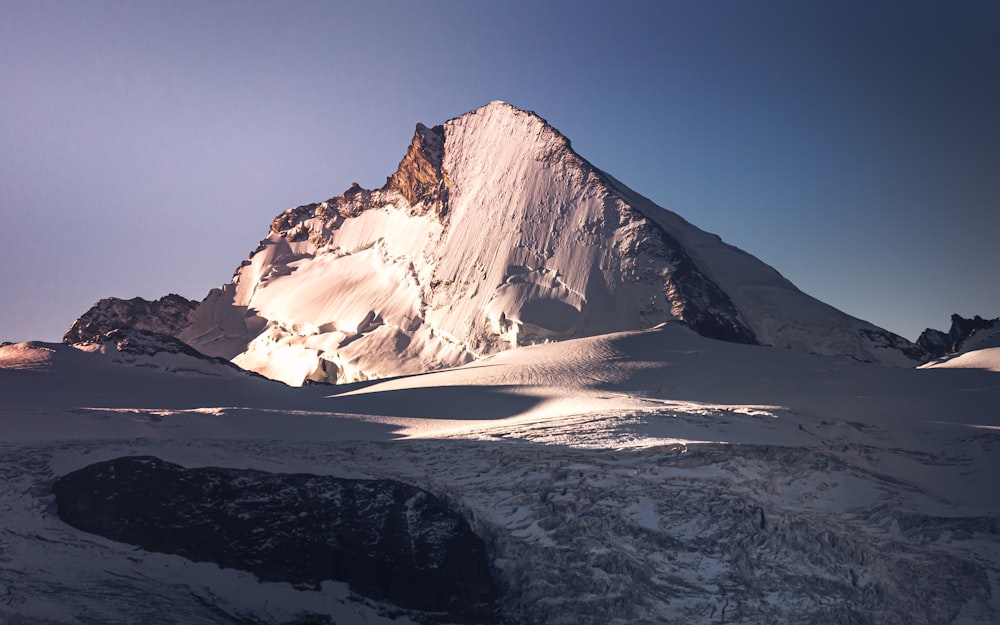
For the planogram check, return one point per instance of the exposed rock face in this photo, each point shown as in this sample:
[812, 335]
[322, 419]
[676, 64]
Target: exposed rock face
[388, 540]
[938, 343]
[419, 177]
[167, 315]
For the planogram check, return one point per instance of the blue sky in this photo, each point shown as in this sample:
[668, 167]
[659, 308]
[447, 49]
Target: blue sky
[854, 146]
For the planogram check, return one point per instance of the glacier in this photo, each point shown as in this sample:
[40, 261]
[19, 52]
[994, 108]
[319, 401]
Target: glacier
[654, 476]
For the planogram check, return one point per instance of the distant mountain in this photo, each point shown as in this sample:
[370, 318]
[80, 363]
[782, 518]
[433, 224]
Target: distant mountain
[957, 339]
[167, 315]
[493, 233]
[968, 344]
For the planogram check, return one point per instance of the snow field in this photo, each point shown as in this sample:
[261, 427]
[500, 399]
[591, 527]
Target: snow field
[641, 477]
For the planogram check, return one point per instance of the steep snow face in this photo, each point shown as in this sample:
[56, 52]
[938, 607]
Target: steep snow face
[538, 247]
[777, 312]
[494, 234]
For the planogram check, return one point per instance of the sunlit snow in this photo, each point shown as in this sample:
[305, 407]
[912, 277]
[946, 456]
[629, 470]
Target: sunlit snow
[623, 478]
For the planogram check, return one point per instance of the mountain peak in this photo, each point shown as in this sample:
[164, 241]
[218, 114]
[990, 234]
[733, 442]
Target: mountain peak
[504, 122]
[499, 109]
[419, 177]
[492, 234]
[499, 106]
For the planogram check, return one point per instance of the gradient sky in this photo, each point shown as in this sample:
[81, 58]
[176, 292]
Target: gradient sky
[854, 146]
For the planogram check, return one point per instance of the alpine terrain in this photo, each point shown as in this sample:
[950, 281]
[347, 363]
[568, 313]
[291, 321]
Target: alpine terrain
[969, 343]
[556, 403]
[492, 234]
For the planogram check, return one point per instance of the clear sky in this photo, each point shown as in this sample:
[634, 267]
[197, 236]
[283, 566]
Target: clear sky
[854, 146]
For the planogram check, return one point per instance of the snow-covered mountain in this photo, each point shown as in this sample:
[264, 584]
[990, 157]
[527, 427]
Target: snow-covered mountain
[632, 470]
[493, 233]
[963, 334]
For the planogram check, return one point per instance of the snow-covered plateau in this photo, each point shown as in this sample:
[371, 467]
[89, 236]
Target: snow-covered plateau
[556, 403]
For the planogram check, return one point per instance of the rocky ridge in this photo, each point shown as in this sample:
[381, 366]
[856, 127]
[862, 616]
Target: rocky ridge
[168, 315]
[939, 344]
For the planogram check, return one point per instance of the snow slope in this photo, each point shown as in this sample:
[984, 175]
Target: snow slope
[979, 351]
[494, 234]
[987, 358]
[638, 477]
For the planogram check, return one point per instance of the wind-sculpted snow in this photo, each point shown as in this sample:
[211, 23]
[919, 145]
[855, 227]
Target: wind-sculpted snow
[492, 234]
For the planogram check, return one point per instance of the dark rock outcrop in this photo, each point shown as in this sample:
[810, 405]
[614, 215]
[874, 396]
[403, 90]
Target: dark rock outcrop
[390, 541]
[938, 343]
[419, 177]
[167, 315]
